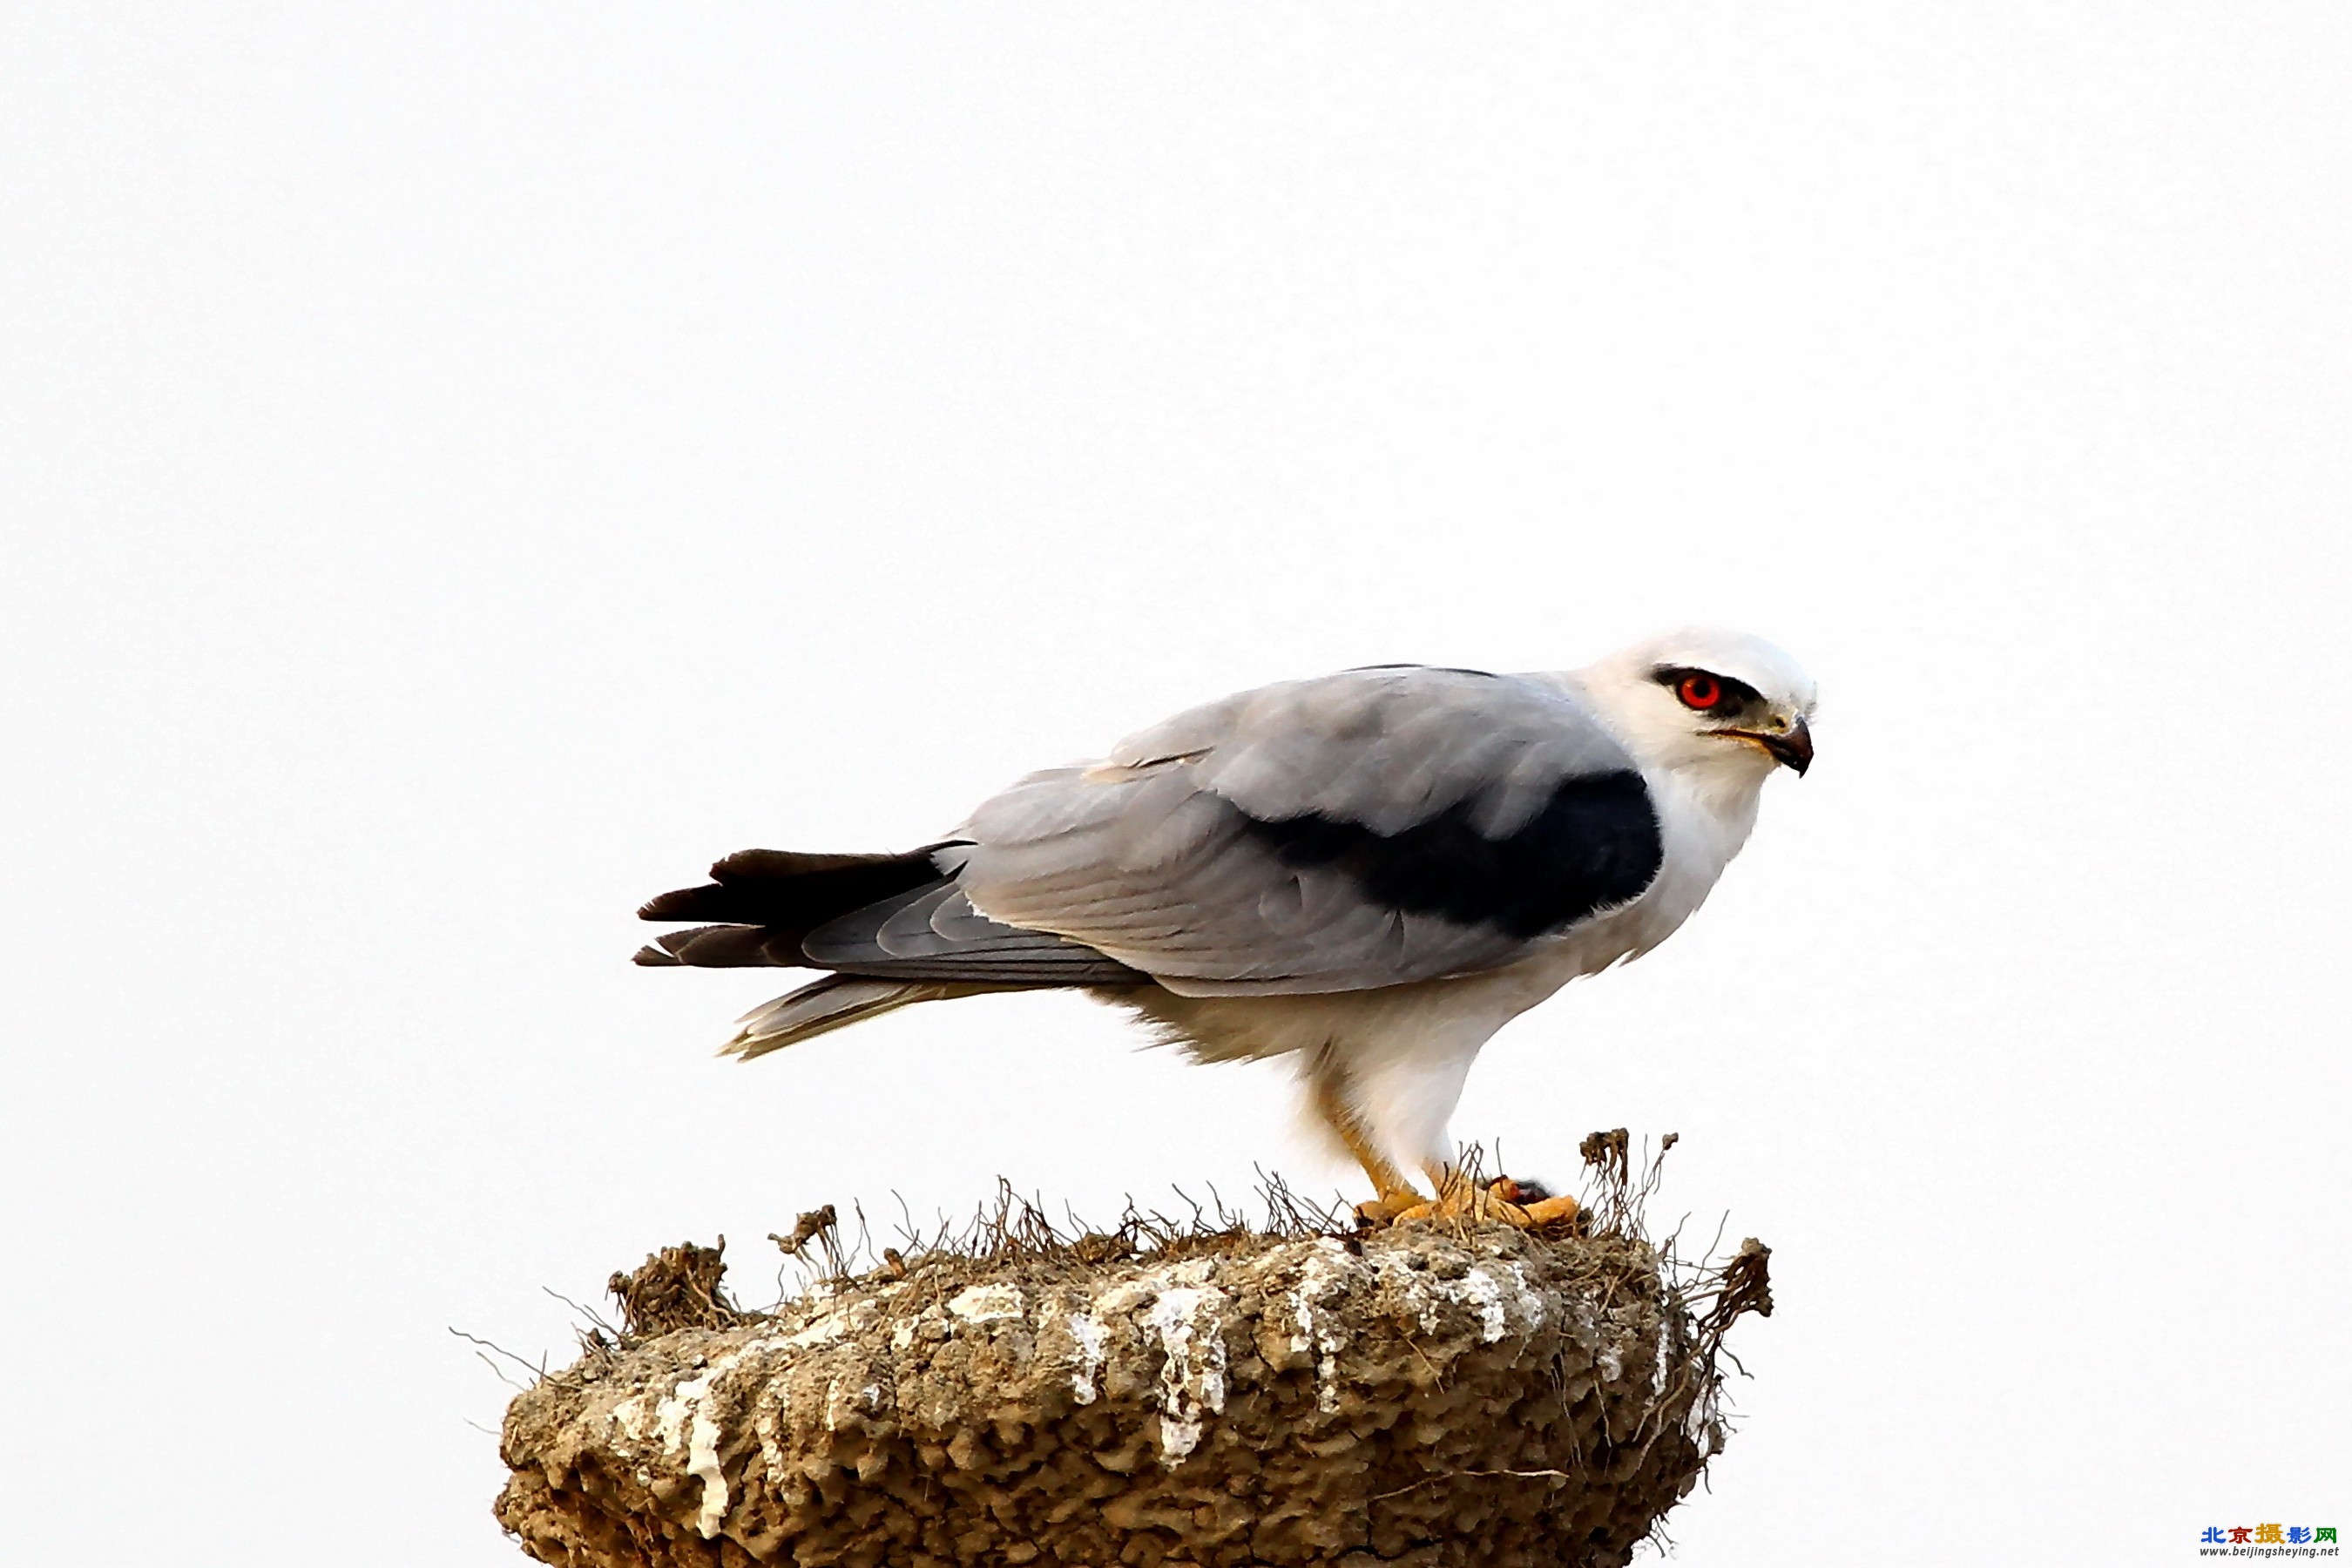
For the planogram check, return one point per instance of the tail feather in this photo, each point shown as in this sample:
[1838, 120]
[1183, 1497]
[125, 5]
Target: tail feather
[891, 926]
[764, 903]
[783, 887]
[720, 947]
[833, 1003]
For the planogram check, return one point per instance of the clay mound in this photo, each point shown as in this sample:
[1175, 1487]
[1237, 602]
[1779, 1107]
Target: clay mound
[1425, 1395]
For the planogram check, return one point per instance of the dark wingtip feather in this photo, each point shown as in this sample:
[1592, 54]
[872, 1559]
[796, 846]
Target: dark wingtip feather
[655, 958]
[726, 947]
[786, 888]
[684, 904]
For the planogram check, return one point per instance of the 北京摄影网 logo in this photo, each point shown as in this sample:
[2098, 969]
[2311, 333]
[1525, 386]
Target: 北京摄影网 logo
[2269, 1535]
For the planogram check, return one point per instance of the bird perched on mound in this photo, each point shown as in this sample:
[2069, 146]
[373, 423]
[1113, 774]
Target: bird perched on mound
[1371, 873]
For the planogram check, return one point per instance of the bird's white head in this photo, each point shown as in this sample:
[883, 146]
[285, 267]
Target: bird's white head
[1721, 708]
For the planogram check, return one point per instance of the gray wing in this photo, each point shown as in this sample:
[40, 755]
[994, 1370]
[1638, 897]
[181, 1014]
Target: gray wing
[1360, 830]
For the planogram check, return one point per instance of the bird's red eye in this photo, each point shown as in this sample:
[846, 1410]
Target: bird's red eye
[1700, 692]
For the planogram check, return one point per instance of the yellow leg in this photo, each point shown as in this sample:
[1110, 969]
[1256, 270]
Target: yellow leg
[1396, 1194]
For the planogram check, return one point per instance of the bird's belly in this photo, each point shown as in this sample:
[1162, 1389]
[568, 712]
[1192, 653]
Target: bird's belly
[1626, 933]
[1462, 1010]
[1231, 1028]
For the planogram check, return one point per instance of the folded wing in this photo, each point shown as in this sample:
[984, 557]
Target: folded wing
[1363, 829]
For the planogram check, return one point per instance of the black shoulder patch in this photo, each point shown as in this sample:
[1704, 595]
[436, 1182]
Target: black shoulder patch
[1595, 844]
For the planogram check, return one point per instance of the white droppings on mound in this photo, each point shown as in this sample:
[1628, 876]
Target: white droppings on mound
[1480, 1290]
[987, 1303]
[1190, 1322]
[684, 1421]
[1086, 1366]
[1324, 1271]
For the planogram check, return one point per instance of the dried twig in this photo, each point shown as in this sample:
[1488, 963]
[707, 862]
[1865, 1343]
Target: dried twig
[1456, 1475]
[538, 1373]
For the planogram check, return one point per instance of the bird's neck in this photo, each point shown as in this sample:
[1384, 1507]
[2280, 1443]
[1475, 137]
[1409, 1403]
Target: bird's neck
[1719, 795]
[1714, 811]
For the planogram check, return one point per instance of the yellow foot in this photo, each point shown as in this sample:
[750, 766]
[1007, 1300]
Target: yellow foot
[1504, 1201]
[1390, 1206]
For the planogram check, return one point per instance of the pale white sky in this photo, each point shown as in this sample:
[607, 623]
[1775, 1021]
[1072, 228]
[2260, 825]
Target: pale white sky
[468, 465]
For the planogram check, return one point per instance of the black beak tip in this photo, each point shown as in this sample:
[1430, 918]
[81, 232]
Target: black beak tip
[1793, 749]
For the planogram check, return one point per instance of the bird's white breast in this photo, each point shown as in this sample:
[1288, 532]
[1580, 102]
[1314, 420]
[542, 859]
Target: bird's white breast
[1699, 835]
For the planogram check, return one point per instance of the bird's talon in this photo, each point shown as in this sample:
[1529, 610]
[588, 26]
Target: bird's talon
[1521, 1207]
[1550, 1210]
[1388, 1210]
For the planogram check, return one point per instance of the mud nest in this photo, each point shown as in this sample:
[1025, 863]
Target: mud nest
[1427, 1394]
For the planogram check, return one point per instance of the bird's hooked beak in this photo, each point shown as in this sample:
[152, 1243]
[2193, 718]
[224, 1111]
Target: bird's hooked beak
[1792, 748]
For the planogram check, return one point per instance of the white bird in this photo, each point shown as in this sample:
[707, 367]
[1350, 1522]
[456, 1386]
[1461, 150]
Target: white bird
[1368, 872]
